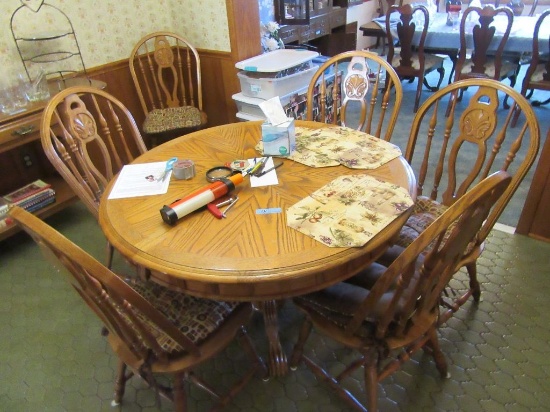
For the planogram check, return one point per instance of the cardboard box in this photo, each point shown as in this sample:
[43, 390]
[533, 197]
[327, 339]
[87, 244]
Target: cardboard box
[279, 140]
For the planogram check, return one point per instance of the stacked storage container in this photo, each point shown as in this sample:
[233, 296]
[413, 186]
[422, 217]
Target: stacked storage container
[285, 73]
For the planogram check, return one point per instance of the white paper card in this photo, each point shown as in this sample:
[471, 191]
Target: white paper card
[270, 178]
[140, 180]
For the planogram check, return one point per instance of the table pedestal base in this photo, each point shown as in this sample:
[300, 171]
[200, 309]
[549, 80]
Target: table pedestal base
[278, 364]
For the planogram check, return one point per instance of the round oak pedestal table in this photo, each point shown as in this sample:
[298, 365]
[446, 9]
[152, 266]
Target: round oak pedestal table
[248, 256]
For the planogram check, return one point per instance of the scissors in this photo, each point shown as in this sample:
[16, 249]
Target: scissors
[168, 168]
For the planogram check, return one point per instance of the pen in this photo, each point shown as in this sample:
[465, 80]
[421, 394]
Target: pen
[258, 166]
[263, 172]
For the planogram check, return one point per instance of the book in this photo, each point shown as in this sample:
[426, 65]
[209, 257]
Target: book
[43, 203]
[36, 198]
[27, 191]
[3, 207]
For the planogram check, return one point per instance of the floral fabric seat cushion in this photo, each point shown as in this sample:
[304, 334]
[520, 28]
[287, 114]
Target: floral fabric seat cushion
[430, 60]
[172, 118]
[538, 74]
[425, 212]
[197, 318]
[506, 67]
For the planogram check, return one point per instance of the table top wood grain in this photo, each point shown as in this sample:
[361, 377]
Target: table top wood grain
[247, 256]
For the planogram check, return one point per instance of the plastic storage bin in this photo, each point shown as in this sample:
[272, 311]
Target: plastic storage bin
[251, 105]
[276, 61]
[245, 117]
[266, 88]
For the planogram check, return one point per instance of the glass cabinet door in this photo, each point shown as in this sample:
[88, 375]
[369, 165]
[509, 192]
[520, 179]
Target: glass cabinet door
[292, 11]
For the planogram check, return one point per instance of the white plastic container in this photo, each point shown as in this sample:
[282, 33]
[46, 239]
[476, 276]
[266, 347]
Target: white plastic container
[251, 105]
[276, 60]
[245, 117]
[266, 88]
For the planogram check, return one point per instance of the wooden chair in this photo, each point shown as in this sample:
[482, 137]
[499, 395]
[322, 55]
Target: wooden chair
[166, 71]
[373, 29]
[533, 8]
[153, 330]
[388, 313]
[537, 76]
[357, 89]
[484, 62]
[452, 145]
[88, 135]
[411, 61]
[518, 11]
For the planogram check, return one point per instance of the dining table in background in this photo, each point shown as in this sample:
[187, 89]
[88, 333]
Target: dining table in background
[248, 256]
[442, 36]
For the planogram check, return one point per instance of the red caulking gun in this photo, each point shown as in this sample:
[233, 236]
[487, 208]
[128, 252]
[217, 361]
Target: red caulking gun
[199, 198]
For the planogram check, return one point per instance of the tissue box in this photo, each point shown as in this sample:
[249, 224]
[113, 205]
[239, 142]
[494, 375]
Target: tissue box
[279, 140]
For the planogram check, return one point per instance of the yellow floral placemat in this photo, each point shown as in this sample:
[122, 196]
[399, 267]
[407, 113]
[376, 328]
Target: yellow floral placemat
[332, 146]
[349, 211]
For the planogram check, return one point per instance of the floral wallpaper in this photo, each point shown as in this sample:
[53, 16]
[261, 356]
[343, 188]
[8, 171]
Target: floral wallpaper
[107, 30]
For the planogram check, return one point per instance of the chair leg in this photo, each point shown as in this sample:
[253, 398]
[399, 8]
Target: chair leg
[538, 103]
[474, 284]
[180, 399]
[512, 84]
[453, 67]
[460, 95]
[441, 71]
[110, 253]
[257, 361]
[120, 383]
[371, 378]
[439, 358]
[298, 350]
[515, 117]
[418, 93]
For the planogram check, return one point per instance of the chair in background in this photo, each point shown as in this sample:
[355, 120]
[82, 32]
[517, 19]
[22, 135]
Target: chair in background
[88, 135]
[373, 29]
[533, 8]
[518, 7]
[483, 62]
[411, 61]
[152, 330]
[166, 71]
[389, 313]
[537, 76]
[452, 145]
[357, 89]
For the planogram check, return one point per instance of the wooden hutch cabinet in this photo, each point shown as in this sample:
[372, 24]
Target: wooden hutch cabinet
[23, 161]
[327, 30]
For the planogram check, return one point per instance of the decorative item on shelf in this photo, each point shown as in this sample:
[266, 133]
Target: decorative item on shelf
[270, 37]
[517, 7]
[454, 11]
[292, 11]
[13, 98]
[46, 41]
